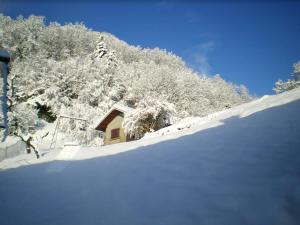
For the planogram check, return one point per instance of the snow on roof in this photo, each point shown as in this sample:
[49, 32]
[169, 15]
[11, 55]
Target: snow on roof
[119, 107]
[122, 108]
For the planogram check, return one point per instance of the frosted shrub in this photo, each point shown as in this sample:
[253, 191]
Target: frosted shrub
[23, 119]
[282, 86]
[150, 115]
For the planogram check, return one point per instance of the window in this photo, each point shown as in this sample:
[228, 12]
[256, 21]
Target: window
[115, 133]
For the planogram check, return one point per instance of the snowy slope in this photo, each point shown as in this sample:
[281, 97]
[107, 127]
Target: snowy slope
[240, 166]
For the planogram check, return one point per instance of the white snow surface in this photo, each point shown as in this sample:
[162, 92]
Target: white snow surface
[119, 107]
[238, 166]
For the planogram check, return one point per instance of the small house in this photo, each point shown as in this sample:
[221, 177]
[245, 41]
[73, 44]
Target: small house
[111, 125]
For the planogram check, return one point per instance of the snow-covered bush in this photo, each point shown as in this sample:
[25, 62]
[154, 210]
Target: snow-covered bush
[282, 86]
[23, 119]
[151, 114]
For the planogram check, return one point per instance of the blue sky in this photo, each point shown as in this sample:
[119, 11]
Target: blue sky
[252, 43]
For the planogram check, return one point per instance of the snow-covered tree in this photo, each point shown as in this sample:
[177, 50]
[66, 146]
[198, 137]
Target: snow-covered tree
[112, 60]
[150, 115]
[20, 36]
[296, 72]
[101, 49]
[244, 93]
[282, 86]
[23, 121]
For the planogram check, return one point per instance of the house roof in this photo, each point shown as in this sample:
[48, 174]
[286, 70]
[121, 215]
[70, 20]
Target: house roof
[111, 114]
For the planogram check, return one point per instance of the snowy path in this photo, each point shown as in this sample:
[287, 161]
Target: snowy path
[230, 170]
[63, 159]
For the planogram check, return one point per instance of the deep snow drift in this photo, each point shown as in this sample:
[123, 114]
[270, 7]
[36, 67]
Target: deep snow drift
[240, 166]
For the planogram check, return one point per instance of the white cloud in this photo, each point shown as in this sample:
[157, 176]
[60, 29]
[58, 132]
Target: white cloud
[198, 57]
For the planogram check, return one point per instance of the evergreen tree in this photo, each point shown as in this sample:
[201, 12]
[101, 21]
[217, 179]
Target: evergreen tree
[101, 49]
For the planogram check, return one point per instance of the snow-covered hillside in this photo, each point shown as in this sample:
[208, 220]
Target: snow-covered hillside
[239, 166]
[73, 71]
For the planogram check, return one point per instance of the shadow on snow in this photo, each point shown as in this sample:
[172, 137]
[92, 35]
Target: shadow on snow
[245, 171]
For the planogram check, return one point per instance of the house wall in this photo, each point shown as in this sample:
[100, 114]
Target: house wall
[115, 123]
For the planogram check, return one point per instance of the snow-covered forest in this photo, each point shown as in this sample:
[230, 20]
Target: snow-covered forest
[282, 86]
[72, 70]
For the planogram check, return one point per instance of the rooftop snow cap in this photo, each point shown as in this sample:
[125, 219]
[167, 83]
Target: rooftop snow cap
[115, 110]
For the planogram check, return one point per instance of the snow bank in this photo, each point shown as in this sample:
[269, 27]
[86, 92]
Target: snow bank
[239, 166]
